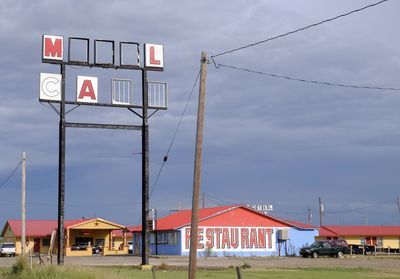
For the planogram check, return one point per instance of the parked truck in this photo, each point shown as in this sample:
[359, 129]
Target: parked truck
[333, 248]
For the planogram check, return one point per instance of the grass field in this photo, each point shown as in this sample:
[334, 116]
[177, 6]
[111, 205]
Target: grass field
[21, 270]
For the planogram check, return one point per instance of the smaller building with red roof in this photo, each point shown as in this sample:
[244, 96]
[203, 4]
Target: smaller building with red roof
[384, 237]
[227, 231]
[82, 237]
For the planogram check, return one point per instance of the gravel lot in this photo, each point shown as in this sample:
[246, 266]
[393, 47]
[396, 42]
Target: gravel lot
[390, 264]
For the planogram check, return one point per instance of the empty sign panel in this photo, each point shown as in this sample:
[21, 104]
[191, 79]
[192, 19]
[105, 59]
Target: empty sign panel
[122, 91]
[158, 94]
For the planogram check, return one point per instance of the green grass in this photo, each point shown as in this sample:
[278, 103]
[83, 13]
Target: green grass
[21, 270]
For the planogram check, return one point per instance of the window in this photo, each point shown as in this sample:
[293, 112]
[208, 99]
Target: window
[46, 242]
[99, 242]
[165, 238]
[362, 241]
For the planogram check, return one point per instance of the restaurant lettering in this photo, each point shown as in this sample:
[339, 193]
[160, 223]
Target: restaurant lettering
[233, 238]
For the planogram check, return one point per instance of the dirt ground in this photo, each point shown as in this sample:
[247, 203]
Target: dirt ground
[381, 263]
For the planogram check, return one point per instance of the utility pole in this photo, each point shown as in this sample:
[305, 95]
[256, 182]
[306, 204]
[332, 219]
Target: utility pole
[23, 204]
[197, 168]
[398, 206]
[309, 216]
[321, 211]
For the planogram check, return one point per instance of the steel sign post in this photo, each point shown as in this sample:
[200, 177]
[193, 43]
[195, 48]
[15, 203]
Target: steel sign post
[61, 172]
[145, 172]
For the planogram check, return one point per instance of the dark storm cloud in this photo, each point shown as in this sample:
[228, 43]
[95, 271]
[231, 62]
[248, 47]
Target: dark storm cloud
[266, 140]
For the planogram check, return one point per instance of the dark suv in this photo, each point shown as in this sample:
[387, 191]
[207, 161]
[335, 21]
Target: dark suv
[326, 248]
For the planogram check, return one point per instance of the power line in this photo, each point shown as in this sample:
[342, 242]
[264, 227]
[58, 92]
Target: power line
[309, 81]
[165, 159]
[224, 202]
[298, 30]
[11, 175]
[359, 208]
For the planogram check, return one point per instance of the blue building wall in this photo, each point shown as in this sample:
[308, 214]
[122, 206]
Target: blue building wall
[167, 249]
[297, 239]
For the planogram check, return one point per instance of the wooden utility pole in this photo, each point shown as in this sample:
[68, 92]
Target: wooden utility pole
[398, 206]
[197, 168]
[23, 204]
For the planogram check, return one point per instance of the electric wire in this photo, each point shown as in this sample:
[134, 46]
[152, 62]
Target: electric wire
[165, 159]
[297, 30]
[224, 202]
[359, 208]
[310, 81]
[11, 175]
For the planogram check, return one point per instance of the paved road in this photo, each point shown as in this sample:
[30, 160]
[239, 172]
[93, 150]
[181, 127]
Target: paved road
[391, 264]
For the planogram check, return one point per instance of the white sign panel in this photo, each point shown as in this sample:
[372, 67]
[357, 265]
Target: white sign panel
[231, 239]
[50, 87]
[53, 47]
[154, 56]
[86, 89]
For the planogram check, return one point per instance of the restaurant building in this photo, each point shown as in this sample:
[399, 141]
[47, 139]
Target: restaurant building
[227, 231]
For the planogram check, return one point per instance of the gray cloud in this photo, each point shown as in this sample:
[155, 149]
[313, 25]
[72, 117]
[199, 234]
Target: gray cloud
[266, 140]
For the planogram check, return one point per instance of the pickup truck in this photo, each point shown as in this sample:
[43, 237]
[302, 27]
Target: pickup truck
[7, 249]
[326, 248]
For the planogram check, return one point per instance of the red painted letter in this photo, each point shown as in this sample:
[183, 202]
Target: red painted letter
[218, 237]
[225, 238]
[235, 238]
[261, 238]
[269, 232]
[87, 90]
[200, 236]
[53, 50]
[244, 237]
[210, 238]
[153, 60]
[187, 238]
[253, 238]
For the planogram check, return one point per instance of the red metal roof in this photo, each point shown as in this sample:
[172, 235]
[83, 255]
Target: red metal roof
[300, 225]
[334, 231]
[36, 228]
[222, 216]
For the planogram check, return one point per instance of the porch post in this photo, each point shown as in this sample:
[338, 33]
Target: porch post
[124, 238]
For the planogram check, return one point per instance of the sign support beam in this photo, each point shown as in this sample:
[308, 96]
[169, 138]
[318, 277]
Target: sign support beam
[145, 171]
[61, 172]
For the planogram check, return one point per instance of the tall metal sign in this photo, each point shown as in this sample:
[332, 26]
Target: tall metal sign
[52, 91]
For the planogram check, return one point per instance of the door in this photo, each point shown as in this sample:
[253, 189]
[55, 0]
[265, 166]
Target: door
[36, 245]
[371, 240]
[325, 248]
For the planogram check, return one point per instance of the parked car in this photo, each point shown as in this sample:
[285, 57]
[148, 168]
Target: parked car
[79, 246]
[360, 249]
[7, 249]
[326, 248]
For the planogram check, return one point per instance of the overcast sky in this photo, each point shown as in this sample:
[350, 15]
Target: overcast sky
[266, 140]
